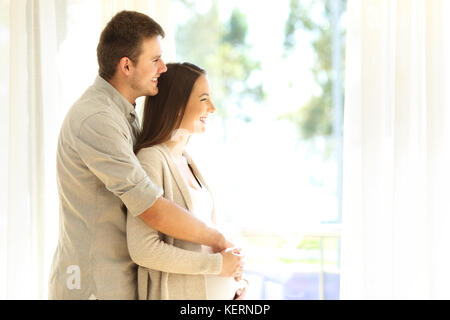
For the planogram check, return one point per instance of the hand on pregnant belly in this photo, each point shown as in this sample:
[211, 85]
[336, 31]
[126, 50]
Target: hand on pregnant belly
[232, 262]
[225, 287]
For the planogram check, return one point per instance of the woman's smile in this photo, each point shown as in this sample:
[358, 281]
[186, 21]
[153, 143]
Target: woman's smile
[199, 107]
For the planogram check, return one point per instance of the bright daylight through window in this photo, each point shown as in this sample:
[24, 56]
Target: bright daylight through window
[272, 151]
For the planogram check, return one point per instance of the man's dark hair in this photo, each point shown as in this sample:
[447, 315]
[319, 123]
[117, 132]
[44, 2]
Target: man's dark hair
[122, 37]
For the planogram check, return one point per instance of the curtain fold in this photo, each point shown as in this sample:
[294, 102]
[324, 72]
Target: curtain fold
[396, 151]
[32, 102]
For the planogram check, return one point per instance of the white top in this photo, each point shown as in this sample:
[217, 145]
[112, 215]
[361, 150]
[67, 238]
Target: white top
[168, 268]
[217, 287]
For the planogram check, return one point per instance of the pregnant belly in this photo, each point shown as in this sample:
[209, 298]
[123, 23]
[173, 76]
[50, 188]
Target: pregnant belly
[220, 288]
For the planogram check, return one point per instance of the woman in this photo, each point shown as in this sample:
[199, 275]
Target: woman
[172, 268]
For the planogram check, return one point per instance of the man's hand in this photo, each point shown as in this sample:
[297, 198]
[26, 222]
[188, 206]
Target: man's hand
[232, 262]
[171, 219]
[221, 244]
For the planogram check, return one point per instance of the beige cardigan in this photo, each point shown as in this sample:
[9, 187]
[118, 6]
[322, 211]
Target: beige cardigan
[168, 268]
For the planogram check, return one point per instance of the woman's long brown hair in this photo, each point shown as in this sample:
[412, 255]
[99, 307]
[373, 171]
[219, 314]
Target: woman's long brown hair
[163, 112]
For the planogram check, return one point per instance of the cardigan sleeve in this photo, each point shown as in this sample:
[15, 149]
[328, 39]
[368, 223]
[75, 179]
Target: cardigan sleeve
[145, 246]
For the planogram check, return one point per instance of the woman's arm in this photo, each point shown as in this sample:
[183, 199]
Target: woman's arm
[148, 250]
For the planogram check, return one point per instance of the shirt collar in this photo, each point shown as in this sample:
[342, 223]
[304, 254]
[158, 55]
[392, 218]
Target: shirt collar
[119, 100]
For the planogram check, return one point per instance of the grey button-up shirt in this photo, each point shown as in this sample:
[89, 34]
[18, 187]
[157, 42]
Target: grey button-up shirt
[97, 172]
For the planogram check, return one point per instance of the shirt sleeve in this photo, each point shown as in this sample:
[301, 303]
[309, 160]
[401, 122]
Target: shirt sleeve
[106, 149]
[145, 245]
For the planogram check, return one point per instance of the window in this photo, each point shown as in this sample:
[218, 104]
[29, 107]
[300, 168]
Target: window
[272, 152]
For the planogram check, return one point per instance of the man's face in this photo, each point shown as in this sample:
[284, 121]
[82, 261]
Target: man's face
[144, 78]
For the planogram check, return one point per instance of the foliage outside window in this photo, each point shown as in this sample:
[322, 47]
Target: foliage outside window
[285, 263]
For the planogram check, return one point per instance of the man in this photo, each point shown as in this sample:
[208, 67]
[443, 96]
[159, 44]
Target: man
[98, 173]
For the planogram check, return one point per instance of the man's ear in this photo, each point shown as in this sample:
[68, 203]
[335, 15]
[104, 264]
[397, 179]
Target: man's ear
[125, 65]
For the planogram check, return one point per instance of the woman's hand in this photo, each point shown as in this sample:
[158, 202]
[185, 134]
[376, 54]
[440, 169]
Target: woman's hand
[241, 292]
[238, 274]
[232, 262]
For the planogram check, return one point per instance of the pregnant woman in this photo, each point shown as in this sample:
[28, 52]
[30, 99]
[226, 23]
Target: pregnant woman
[170, 268]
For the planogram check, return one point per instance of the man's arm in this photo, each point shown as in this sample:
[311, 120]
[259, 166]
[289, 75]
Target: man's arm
[103, 146]
[171, 219]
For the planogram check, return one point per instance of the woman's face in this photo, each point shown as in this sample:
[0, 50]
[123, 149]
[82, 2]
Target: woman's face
[198, 108]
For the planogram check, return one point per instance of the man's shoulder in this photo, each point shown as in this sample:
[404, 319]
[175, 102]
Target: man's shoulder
[91, 105]
[92, 102]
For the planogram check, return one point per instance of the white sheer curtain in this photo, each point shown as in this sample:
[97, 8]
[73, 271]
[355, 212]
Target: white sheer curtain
[396, 213]
[40, 93]
[33, 100]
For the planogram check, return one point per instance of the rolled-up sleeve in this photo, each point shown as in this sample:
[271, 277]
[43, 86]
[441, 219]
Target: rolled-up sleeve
[145, 245]
[107, 151]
